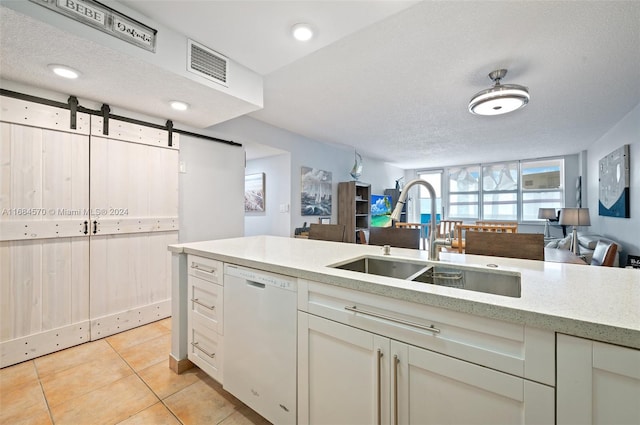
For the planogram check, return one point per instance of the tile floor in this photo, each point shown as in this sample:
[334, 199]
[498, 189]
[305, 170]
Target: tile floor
[123, 379]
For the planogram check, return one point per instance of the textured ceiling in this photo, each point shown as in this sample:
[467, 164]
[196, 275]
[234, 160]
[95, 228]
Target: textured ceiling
[393, 83]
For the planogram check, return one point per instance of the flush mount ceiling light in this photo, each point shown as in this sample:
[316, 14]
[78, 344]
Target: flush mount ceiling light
[64, 71]
[302, 32]
[499, 99]
[178, 105]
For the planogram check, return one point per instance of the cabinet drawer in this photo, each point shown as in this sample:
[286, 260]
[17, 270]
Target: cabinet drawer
[205, 347]
[205, 268]
[206, 300]
[488, 342]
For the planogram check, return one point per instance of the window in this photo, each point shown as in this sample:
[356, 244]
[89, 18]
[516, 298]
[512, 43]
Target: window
[506, 191]
[500, 191]
[541, 186]
[464, 192]
[434, 178]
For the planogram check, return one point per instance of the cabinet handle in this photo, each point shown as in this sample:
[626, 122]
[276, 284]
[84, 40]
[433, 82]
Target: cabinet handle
[86, 227]
[355, 309]
[379, 386]
[95, 227]
[395, 389]
[196, 345]
[197, 301]
[197, 266]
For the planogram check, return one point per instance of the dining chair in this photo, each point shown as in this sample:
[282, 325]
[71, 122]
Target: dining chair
[446, 228]
[395, 236]
[327, 232]
[497, 223]
[528, 246]
[459, 240]
[604, 254]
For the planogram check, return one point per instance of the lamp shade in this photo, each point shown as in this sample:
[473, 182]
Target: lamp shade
[547, 213]
[575, 217]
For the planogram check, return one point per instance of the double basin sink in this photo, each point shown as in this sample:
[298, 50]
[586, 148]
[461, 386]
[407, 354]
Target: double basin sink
[488, 281]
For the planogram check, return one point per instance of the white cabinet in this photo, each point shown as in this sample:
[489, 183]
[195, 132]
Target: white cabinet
[391, 361]
[598, 383]
[205, 315]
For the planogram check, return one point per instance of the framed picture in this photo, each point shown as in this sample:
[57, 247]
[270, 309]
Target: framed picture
[316, 192]
[254, 192]
[324, 220]
[614, 184]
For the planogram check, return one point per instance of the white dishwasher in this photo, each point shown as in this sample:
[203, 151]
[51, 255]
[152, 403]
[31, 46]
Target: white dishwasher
[260, 331]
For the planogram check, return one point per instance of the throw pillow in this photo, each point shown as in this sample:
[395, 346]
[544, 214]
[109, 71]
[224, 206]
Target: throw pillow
[589, 241]
[565, 243]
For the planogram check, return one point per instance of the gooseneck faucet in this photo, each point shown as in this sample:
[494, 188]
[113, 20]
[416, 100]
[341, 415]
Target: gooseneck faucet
[395, 215]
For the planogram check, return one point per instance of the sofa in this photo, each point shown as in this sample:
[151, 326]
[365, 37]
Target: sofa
[587, 243]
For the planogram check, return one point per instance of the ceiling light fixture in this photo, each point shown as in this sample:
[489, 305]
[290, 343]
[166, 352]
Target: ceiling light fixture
[64, 71]
[302, 32]
[178, 105]
[499, 99]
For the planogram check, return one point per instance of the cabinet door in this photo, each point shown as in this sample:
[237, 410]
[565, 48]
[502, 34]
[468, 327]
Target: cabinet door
[434, 389]
[597, 383]
[342, 374]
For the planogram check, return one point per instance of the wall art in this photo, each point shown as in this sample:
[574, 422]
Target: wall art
[614, 184]
[254, 192]
[316, 192]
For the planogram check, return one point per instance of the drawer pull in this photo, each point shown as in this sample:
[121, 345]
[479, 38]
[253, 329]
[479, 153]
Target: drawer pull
[196, 345]
[392, 319]
[205, 269]
[197, 301]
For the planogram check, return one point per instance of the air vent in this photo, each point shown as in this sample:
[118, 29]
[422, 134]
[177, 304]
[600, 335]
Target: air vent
[207, 63]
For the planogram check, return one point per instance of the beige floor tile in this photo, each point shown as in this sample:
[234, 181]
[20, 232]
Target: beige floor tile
[244, 416]
[164, 382]
[136, 336]
[63, 386]
[204, 402]
[166, 323]
[13, 376]
[71, 357]
[157, 414]
[148, 353]
[20, 402]
[42, 417]
[110, 404]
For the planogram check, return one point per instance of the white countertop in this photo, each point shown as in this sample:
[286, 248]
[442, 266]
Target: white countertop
[600, 303]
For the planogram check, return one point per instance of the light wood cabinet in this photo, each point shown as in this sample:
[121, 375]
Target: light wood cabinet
[598, 383]
[354, 208]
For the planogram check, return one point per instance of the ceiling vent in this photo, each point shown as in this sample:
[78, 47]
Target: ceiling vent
[207, 63]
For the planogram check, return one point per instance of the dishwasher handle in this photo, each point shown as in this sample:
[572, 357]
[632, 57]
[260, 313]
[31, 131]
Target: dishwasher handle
[256, 284]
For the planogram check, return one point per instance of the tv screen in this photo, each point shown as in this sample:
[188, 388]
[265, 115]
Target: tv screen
[381, 211]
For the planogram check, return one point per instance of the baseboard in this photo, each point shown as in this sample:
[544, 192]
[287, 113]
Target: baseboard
[179, 366]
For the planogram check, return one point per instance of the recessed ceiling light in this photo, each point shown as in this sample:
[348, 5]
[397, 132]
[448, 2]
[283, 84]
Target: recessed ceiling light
[179, 106]
[302, 32]
[64, 71]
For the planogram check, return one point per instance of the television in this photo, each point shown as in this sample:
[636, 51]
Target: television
[381, 210]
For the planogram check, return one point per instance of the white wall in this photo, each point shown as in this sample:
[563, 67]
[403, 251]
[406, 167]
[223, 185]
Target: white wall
[272, 221]
[624, 230]
[211, 190]
[309, 153]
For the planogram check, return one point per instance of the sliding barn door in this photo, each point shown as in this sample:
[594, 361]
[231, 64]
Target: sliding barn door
[134, 206]
[44, 242]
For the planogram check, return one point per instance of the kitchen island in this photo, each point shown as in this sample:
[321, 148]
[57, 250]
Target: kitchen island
[596, 304]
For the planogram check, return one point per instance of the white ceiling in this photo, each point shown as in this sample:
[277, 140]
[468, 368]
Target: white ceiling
[393, 79]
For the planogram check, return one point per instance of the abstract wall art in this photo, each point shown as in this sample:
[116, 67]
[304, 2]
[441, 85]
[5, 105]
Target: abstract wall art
[614, 184]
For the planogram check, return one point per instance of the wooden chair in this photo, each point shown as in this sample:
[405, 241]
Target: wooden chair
[327, 232]
[529, 246]
[604, 254]
[459, 240]
[446, 228]
[497, 223]
[395, 236]
[418, 226]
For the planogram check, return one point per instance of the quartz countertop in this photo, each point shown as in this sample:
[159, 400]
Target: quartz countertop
[600, 303]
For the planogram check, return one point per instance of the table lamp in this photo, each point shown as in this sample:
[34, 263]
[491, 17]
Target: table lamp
[575, 217]
[547, 214]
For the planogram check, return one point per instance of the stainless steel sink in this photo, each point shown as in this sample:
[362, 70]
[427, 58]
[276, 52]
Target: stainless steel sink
[489, 281]
[383, 267]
